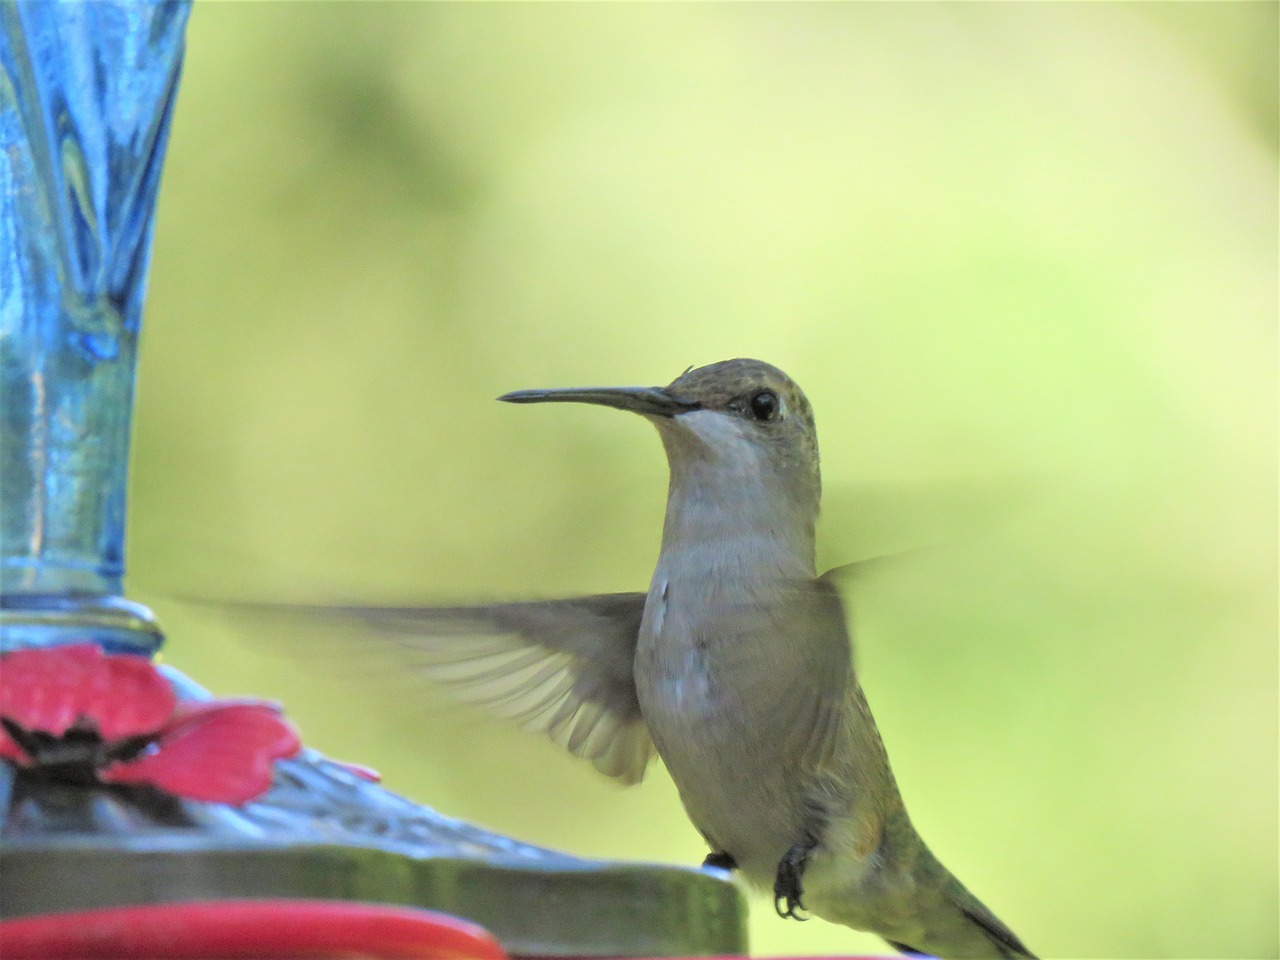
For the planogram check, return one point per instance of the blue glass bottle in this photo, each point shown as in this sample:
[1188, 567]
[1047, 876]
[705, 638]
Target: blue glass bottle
[86, 97]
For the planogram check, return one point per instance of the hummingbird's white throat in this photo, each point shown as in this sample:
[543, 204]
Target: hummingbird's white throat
[737, 499]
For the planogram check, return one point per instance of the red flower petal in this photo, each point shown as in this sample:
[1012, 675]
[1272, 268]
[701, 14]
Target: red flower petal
[219, 752]
[128, 697]
[11, 751]
[40, 689]
[50, 689]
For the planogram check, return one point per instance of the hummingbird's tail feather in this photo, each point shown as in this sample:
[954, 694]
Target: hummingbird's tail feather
[903, 948]
[956, 924]
[917, 905]
[1001, 937]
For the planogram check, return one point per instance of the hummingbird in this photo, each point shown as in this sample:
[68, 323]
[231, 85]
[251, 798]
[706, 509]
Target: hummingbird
[735, 667]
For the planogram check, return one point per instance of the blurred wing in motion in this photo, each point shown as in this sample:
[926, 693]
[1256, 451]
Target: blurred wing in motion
[563, 667]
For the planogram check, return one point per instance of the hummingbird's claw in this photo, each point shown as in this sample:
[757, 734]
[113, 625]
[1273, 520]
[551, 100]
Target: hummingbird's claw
[787, 886]
[720, 860]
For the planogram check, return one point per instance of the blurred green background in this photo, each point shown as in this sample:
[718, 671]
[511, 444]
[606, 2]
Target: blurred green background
[1022, 258]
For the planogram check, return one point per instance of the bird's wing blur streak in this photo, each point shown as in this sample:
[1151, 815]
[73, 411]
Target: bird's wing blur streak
[561, 667]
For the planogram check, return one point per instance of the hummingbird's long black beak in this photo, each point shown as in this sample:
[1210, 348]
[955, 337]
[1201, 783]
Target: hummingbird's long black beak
[653, 401]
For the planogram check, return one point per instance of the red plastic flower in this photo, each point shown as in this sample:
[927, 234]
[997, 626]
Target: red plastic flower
[79, 715]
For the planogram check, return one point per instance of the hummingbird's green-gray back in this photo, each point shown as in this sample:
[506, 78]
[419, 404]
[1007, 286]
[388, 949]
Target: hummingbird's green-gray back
[734, 666]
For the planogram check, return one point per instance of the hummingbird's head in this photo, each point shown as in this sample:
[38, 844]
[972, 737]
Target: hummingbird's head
[752, 424]
[733, 422]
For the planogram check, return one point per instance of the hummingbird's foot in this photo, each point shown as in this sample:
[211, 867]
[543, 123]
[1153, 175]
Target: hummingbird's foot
[721, 860]
[787, 886]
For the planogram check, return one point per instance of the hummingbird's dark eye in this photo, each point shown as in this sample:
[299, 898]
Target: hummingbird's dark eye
[764, 405]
